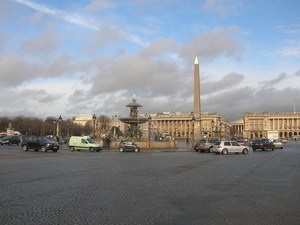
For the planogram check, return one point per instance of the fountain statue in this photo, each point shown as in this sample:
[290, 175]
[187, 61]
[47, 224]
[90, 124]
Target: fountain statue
[133, 131]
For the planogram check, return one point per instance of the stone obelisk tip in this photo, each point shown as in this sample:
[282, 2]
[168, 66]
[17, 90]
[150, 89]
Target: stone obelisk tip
[196, 60]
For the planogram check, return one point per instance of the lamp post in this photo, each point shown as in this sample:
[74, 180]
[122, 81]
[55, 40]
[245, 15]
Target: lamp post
[54, 124]
[149, 121]
[212, 128]
[58, 126]
[68, 128]
[94, 125]
[193, 137]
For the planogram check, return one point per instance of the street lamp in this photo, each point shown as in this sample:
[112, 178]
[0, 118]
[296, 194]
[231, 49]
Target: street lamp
[94, 125]
[54, 123]
[58, 126]
[149, 121]
[212, 128]
[193, 137]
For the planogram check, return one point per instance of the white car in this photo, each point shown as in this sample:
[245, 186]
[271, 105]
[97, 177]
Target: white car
[278, 143]
[225, 147]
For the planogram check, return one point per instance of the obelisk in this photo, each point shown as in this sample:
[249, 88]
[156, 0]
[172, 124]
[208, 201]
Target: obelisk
[197, 107]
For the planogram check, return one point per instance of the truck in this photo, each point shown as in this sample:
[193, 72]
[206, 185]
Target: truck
[272, 135]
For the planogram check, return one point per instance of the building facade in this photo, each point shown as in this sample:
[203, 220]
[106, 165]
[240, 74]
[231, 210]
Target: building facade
[83, 118]
[182, 126]
[254, 125]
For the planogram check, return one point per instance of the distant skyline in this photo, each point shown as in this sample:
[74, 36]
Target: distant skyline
[91, 56]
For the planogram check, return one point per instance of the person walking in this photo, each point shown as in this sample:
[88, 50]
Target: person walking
[108, 142]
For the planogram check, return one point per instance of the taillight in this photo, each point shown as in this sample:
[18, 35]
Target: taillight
[261, 144]
[219, 146]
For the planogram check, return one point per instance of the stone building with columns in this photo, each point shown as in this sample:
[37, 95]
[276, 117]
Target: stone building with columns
[255, 124]
[180, 125]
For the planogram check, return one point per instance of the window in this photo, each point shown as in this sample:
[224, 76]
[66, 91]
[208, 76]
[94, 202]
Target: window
[235, 144]
[227, 143]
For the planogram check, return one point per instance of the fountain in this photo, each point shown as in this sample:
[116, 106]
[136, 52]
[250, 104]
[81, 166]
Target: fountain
[134, 120]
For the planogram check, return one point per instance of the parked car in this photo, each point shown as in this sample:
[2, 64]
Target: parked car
[127, 145]
[225, 147]
[263, 144]
[38, 143]
[9, 140]
[205, 145]
[84, 143]
[284, 140]
[278, 143]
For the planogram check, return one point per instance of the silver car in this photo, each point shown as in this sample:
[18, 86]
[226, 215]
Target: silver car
[278, 143]
[225, 147]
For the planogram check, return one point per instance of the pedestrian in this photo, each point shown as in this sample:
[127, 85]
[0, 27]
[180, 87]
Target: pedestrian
[187, 140]
[108, 142]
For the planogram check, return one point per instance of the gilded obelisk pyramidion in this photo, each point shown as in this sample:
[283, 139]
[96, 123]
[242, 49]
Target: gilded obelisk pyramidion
[197, 108]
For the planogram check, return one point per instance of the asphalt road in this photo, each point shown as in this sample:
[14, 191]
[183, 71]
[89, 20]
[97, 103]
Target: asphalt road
[163, 188]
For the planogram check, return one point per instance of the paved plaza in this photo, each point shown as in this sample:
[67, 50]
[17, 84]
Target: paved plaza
[160, 187]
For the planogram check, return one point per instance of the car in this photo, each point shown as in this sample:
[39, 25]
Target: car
[84, 143]
[263, 144]
[278, 143]
[225, 147]
[38, 143]
[242, 142]
[205, 145]
[9, 140]
[284, 140]
[128, 145]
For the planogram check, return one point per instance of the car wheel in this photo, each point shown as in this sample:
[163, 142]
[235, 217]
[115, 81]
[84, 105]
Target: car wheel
[210, 149]
[263, 148]
[201, 151]
[136, 150]
[92, 149]
[25, 148]
[72, 149]
[98, 150]
[245, 151]
[224, 151]
[44, 149]
[273, 148]
[121, 149]
[281, 147]
[254, 149]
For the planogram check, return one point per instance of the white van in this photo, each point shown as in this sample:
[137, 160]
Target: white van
[84, 143]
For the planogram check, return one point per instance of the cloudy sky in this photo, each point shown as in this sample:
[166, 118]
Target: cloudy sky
[91, 56]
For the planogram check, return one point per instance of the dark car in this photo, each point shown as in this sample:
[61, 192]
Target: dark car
[9, 140]
[263, 144]
[127, 145]
[205, 145]
[38, 143]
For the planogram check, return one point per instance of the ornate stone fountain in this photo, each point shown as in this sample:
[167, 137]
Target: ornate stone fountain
[134, 120]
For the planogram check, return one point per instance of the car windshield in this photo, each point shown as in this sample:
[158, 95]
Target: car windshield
[202, 141]
[90, 141]
[277, 141]
[43, 139]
